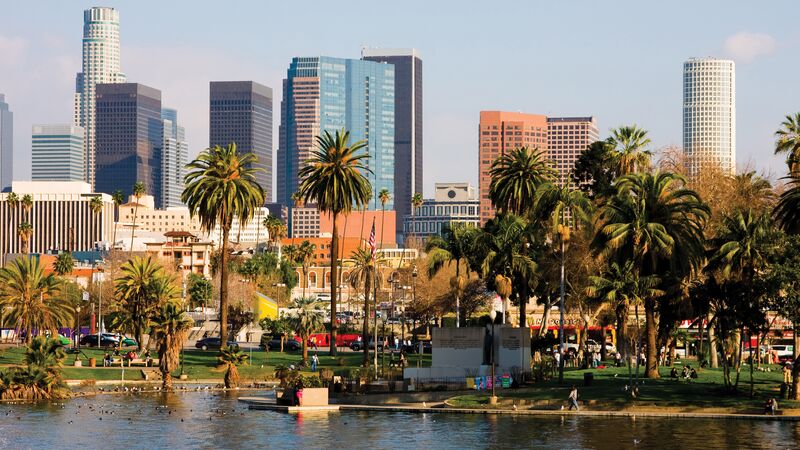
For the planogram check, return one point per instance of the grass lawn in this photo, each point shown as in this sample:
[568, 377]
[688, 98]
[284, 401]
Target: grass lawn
[202, 365]
[607, 391]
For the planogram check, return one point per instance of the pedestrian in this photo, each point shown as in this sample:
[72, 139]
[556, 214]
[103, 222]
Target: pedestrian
[557, 357]
[573, 399]
[618, 359]
[771, 406]
[314, 362]
[787, 373]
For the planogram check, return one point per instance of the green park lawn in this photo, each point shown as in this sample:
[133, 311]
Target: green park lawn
[607, 391]
[202, 365]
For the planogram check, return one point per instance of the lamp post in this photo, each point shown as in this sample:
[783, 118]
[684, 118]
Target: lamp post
[77, 333]
[493, 316]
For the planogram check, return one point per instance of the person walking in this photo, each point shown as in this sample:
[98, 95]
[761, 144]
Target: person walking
[573, 399]
[314, 362]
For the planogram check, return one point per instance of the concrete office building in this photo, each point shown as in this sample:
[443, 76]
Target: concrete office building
[174, 157]
[61, 218]
[567, 137]
[407, 123]
[453, 203]
[6, 144]
[241, 112]
[327, 94]
[57, 153]
[709, 114]
[100, 64]
[128, 138]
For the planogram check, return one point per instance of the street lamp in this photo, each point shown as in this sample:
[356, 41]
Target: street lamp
[493, 316]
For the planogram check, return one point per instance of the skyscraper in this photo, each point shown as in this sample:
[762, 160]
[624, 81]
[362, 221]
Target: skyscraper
[709, 114]
[100, 64]
[241, 112]
[6, 144]
[174, 156]
[407, 124]
[327, 94]
[499, 133]
[129, 138]
[57, 153]
[567, 137]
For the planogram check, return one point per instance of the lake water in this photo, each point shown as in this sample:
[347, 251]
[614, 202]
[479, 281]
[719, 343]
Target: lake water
[218, 420]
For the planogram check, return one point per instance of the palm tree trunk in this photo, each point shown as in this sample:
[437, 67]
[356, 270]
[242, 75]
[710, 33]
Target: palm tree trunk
[652, 346]
[167, 377]
[545, 317]
[223, 289]
[133, 227]
[365, 328]
[305, 350]
[361, 235]
[713, 358]
[334, 282]
[796, 367]
[305, 279]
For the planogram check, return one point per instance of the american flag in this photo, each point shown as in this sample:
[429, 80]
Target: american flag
[373, 249]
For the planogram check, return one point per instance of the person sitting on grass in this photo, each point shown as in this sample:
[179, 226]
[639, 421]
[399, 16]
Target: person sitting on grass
[673, 373]
[692, 374]
[685, 372]
[107, 360]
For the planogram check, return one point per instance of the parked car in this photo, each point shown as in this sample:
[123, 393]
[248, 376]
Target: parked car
[106, 340]
[274, 344]
[213, 343]
[357, 346]
[785, 352]
[414, 347]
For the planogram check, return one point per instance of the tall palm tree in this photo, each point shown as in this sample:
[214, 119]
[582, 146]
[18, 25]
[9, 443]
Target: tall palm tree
[25, 232]
[657, 223]
[788, 141]
[64, 264]
[96, 206]
[222, 186]
[170, 327]
[12, 199]
[138, 193]
[29, 298]
[567, 208]
[333, 178]
[630, 144]
[118, 198]
[134, 293]
[416, 203]
[27, 205]
[787, 211]
[516, 177]
[363, 217]
[742, 245]
[304, 254]
[363, 274]
[452, 246]
[384, 197]
[307, 319]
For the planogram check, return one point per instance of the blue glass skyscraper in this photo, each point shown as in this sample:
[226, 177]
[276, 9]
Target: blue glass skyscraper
[327, 94]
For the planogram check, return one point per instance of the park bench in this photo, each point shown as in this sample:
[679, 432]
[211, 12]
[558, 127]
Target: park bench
[142, 362]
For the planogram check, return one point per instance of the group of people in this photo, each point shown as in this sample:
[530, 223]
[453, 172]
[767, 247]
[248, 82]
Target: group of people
[687, 373]
[108, 358]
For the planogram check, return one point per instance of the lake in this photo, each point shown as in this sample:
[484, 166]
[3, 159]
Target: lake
[218, 420]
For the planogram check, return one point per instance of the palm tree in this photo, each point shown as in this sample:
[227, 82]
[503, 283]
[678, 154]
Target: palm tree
[27, 205]
[567, 208]
[64, 264]
[787, 211]
[275, 228]
[304, 254]
[25, 232]
[13, 200]
[742, 245]
[118, 198]
[657, 223]
[231, 357]
[29, 298]
[416, 202]
[220, 187]
[170, 327]
[452, 246]
[788, 141]
[516, 177]
[307, 320]
[363, 216]
[629, 142]
[138, 192]
[134, 292]
[363, 274]
[333, 178]
[384, 197]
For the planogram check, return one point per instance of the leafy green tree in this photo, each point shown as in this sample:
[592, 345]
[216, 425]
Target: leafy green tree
[64, 264]
[275, 327]
[29, 299]
[333, 178]
[231, 357]
[595, 170]
[138, 192]
[784, 277]
[170, 327]
[452, 246]
[787, 211]
[629, 144]
[788, 142]
[307, 320]
[657, 223]
[199, 290]
[139, 292]
[221, 186]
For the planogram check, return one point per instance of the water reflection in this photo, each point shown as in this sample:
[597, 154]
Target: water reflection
[217, 420]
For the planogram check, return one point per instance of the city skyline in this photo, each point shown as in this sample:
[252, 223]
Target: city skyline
[647, 93]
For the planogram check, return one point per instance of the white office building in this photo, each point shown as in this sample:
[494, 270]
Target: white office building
[452, 203]
[709, 114]
[57, 153]
[100, 64]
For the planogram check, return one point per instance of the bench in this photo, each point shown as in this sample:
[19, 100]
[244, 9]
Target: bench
[142, 362]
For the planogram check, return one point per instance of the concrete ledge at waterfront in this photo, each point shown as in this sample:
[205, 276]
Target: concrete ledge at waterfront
[269, 404]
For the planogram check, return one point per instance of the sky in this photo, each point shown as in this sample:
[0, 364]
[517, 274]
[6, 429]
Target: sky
[619, 61]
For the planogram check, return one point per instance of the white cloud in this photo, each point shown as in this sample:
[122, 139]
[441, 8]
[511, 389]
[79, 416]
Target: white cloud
[746, 46]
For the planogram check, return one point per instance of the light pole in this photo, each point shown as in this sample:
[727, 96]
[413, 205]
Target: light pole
[493, 316]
